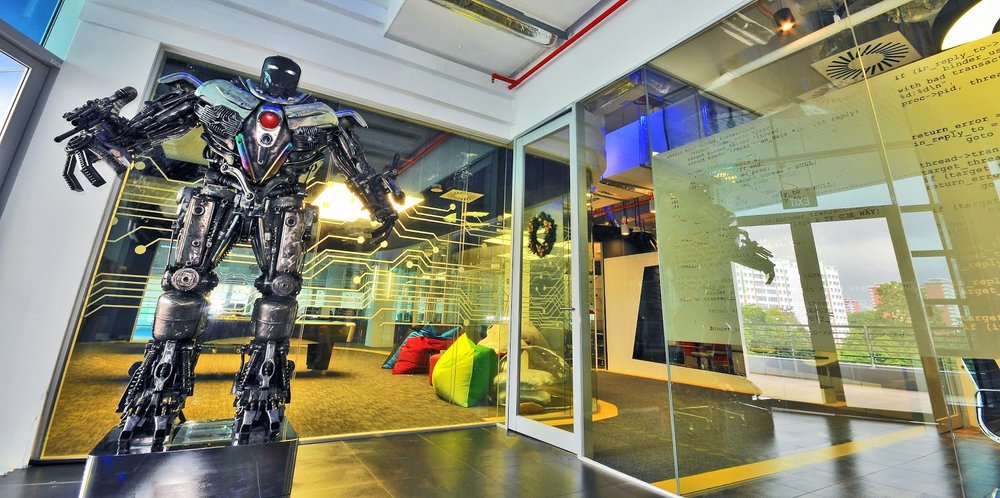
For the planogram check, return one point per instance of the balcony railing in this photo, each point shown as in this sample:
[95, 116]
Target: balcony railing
[876, 345]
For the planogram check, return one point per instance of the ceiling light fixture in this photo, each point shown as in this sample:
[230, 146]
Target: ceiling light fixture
[499, 16]
[338, 203]
[785, 20]
[978, 21]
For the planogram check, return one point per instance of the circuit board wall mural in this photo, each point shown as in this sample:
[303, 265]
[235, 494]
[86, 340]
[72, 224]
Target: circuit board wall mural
[444, 266]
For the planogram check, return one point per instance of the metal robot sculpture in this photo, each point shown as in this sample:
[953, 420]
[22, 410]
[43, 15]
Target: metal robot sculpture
[261, 140]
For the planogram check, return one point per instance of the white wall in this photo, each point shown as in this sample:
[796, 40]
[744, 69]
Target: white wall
[636, 33]
[47, 233]
[622, 290]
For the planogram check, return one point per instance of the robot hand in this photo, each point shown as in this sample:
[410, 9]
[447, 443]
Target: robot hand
[86, 148]
[386, 214]
[95, 124]
[752, 255]
[373, 189]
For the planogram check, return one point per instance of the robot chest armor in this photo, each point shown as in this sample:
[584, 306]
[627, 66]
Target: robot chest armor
[264, 143]
[258, 130]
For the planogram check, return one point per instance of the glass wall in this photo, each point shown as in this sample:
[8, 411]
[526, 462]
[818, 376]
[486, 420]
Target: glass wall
[813, 307]
[443, 273]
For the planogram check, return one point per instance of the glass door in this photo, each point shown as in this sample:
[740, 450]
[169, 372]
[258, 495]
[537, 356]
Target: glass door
[546, 386]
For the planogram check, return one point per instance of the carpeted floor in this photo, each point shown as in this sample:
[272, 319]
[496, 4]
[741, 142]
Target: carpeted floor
[356, 395]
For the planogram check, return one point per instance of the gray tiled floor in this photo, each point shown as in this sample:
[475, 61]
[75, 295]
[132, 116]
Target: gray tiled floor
[488, 462]
[922, 467]
[472, 462]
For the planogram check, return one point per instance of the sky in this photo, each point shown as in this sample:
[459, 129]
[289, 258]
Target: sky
[11, 75]
[861, 250]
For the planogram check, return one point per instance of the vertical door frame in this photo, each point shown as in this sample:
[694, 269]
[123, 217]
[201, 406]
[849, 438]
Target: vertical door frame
[579, 283]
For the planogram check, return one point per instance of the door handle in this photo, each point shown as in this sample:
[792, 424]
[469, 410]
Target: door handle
[566, 308]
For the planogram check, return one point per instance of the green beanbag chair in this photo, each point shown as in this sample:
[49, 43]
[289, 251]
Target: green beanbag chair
[463, 374]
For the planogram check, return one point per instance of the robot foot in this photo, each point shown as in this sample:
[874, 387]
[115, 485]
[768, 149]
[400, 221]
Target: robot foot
[262, 387]
[258, 424]
[157, 389]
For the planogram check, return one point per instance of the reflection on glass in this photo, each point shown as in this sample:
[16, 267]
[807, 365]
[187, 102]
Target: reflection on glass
[12, 76]
[545, 383]
[863, 158]
[775, 322]
[441, 279]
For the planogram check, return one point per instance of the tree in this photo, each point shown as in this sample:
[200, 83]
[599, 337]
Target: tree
[768, 331]
[891, 333]
[755, 314]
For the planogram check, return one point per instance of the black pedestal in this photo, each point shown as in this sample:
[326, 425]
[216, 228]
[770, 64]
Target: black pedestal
[199, 461]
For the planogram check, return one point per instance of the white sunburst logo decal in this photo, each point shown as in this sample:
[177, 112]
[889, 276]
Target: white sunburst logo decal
[875, 57]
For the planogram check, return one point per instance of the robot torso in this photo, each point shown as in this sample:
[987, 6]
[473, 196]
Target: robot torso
[260, 136]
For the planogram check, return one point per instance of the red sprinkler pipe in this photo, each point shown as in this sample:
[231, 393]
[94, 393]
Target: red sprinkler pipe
[433, 145]
[760, 5]
[513, 83]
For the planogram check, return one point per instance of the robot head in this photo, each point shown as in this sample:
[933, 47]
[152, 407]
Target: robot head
[279, 76]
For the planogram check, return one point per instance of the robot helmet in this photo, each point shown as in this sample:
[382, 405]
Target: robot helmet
[279, 76]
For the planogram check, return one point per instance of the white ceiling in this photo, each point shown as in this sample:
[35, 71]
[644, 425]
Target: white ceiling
[438, 30]
[559, 13]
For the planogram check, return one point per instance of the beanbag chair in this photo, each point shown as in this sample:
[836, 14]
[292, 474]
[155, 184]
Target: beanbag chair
[414, 357]
[498, 333]
[425, 331]
[463, 374]
[434, 360]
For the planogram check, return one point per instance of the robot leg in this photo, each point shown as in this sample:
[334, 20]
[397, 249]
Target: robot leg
[263, 384]
[160, 383]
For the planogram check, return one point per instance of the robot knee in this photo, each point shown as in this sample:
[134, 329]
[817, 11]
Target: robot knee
[273, 318]
[178, 315]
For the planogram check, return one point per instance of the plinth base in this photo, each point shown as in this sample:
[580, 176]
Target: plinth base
[198, 461]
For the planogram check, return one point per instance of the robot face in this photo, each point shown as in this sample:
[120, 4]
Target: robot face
[279, 76]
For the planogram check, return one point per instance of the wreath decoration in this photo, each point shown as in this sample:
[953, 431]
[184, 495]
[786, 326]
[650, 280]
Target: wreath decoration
[544, 222]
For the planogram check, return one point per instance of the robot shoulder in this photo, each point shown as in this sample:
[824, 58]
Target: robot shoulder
[227, 94]
[353, 117]
[183, 79]
[309, 115]
[320, 114]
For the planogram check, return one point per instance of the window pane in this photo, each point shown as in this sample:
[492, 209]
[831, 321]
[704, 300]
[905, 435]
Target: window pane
[12, 76]
[30, 17]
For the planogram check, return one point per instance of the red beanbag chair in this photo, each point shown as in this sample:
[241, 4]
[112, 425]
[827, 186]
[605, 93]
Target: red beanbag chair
[434, 360]
[414, 356]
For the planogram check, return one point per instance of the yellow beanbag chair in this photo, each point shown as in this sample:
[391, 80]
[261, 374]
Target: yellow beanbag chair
[463, 374]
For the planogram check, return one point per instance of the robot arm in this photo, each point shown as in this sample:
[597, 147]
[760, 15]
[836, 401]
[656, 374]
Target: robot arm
[100, 134]
[372, 188]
